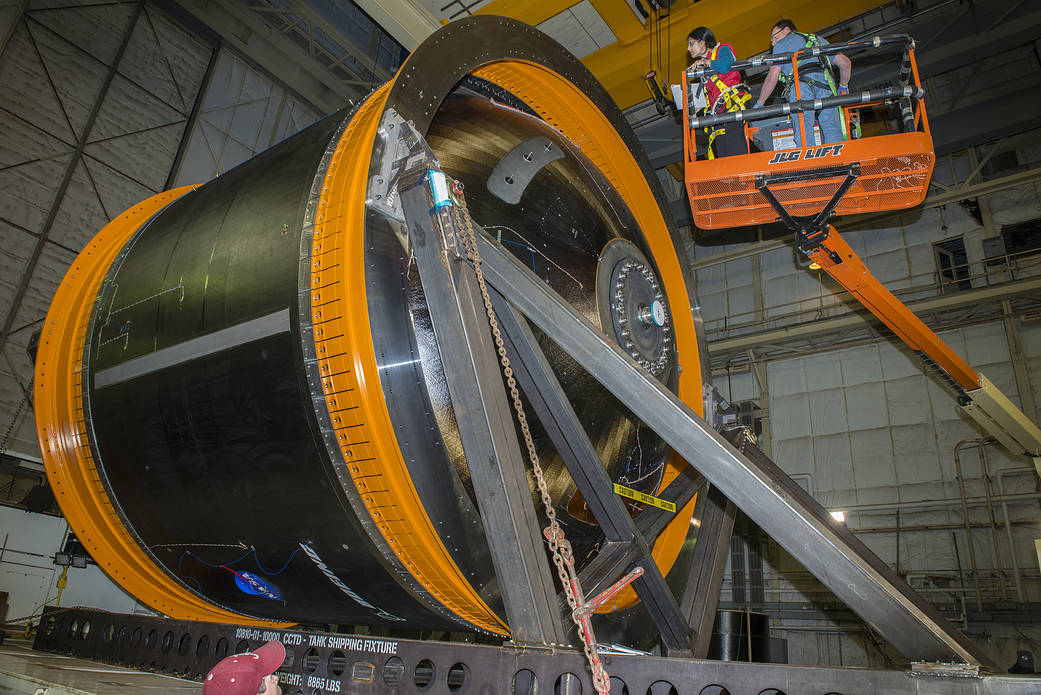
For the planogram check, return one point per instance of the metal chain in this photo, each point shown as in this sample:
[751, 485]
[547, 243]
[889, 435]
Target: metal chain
[558, 543]
[9, 434]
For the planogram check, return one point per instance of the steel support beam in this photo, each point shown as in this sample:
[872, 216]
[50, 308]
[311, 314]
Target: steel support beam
[546, 397]
[615, 558]
[708, 563]
[652, 520]
[755, 484]
[493, 454]
[359, 53]
[987, 117]
[977, 189]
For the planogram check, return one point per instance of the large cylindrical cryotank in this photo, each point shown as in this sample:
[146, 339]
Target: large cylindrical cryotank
[239, 394]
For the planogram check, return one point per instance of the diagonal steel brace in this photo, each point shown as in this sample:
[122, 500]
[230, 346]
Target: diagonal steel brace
[547, 399]
[755, 484]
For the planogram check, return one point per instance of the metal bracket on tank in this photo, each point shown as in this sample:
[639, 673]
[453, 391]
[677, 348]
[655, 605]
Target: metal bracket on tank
[486, 428]
[514, 172]
[397, 142]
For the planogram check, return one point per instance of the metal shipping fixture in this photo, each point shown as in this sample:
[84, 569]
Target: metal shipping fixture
[355, 663]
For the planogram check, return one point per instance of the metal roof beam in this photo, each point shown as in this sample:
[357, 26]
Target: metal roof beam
[407, 21]
[360, 53]
[266, 47]
[806, 331]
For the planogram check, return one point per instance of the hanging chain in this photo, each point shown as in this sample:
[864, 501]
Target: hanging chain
[9, 434]
[558, 543]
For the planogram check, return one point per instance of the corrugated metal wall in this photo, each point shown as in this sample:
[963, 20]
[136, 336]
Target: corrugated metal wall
[101, 106]
[870, 433]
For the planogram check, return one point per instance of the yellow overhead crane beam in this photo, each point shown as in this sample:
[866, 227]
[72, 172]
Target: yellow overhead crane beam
[745, 25]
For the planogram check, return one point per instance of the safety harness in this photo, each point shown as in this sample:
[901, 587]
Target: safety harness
[809, 64]
[731, 98]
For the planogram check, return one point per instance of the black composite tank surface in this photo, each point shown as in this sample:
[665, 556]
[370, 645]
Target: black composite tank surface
[199, 400]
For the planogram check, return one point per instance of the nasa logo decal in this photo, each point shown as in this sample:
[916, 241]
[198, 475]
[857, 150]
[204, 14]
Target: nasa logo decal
[253, 585]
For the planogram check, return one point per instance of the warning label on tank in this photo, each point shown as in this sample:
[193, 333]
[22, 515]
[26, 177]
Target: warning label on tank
[644, 498]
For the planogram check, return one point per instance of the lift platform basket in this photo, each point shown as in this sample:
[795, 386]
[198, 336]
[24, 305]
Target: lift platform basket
[894, 174]
[884, 172]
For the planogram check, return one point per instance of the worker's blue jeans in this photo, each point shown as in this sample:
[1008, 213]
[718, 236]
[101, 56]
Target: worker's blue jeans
[828, 119]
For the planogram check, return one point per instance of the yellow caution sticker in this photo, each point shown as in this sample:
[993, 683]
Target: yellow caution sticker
[644, 498]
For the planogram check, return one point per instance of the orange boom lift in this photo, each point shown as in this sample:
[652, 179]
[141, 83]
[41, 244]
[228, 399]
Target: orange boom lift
[805, 187]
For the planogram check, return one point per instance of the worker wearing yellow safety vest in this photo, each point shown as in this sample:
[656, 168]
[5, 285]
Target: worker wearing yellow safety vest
[725, 90]
[815, 80]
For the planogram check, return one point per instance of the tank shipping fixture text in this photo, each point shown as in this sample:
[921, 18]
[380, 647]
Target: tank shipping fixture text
[353, 644]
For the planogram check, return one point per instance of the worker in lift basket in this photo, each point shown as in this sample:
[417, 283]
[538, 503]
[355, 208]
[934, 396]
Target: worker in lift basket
[725, 90]
[252, 673]
[815, 81]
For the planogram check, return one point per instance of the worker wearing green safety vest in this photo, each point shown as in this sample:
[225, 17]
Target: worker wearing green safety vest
[815, 78]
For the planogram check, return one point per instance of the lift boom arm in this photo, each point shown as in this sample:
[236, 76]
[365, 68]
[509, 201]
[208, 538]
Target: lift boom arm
[978, 397]
[882, 173]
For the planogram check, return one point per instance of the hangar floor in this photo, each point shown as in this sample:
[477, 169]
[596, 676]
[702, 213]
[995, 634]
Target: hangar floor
[23, 671]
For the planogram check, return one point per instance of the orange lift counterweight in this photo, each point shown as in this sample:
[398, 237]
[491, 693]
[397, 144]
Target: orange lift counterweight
[804, 187]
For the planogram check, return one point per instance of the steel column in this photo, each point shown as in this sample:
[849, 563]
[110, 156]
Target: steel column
[708, 562]
[493, 454]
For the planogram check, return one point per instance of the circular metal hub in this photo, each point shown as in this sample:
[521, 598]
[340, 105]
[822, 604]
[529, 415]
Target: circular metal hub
[633, 304]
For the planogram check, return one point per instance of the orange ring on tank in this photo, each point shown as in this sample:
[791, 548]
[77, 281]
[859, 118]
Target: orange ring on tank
[565, 107]
[350, 377]
[64, 441]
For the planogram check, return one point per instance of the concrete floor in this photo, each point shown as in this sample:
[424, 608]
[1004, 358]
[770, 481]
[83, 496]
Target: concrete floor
[25, 672]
